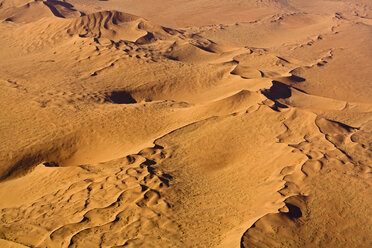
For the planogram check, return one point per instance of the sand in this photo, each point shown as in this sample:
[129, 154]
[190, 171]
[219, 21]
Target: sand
[185, 123]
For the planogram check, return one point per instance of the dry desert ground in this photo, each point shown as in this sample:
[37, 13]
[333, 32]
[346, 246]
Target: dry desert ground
[186, 123]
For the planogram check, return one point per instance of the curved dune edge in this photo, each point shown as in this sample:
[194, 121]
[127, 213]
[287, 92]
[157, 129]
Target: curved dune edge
[130, 133]
[288, 226]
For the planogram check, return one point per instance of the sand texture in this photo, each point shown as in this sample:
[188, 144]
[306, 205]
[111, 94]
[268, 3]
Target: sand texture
[158, 123]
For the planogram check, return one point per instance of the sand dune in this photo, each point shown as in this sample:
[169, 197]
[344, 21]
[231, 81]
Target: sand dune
[185, 123]
[35, 10]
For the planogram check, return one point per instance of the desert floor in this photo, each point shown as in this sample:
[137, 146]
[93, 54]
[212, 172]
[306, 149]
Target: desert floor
[159, 123]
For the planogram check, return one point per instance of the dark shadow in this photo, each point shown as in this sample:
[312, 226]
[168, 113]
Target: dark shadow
[158, 146]
[277, 91]
[143, 187]
[54, 10]
[206, 49]
[51, 164]
[52, 3]
[131, 159]
[121, 97]
[148, 38]
[167, 176]
[171, 31]
[344, 126]
[149, 162]
[296, 79]
[20, 168]
[172, 58]
[294, 211]
[283, 59]
[64, 4]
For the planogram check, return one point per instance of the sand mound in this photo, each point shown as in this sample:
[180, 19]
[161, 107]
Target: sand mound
[240, 101]
[35, 10]
[27, 13]
[107, 24]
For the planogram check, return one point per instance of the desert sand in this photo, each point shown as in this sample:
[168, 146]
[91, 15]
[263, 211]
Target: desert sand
[158, 123]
